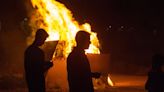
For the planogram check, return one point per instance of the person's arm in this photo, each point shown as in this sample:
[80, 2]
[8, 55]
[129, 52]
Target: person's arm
[149, 81]
[47, 65]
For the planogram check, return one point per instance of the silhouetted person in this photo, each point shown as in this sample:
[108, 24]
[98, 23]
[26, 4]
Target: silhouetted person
[155, 82]
[35, 64]
[78, 67]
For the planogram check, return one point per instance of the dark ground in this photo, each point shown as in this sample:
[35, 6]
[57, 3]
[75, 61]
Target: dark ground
[122, 83]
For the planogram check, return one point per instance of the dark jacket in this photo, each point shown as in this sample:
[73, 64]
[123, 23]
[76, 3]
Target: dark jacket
[155, 82]
[35, 67]
[79, 72]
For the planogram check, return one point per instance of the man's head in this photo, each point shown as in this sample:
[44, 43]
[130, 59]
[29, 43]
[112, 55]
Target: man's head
[40, 36]
[82, 39]
[157, 61]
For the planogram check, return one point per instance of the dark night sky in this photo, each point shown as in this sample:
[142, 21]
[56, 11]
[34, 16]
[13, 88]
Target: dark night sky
[142, 13]
[140, 19]
[140, 35]
[118, 12]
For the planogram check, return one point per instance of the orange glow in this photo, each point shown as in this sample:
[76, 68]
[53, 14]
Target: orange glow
[110, 83]
[58, 21]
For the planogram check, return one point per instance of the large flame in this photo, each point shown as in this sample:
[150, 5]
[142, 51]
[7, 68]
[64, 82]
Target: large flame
[58, 21]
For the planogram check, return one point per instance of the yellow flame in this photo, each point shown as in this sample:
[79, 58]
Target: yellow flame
[110, 81]
[58, 21]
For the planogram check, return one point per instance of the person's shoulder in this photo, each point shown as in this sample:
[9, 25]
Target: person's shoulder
[29, 48]
[155, 73]
[32, 48]
[72, 55]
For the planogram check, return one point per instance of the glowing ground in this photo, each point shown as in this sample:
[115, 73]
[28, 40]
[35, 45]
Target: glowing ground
[123, 83]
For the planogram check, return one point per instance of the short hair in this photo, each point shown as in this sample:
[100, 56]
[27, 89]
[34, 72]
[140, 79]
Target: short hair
[41, 33]
[82, 36]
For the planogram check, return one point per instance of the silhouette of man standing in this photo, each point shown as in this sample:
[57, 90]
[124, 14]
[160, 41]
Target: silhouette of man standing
[155, 79]
[78, 67]
[35, 64]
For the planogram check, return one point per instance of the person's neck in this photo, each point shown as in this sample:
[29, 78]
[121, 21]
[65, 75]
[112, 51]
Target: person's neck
[79, 47]
[35, 44]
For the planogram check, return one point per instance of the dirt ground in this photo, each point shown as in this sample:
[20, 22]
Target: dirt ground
[122, 83]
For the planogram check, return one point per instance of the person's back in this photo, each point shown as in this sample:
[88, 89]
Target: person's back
[79, 73]
[34, 57]
[78, 67]
[156, 76]
[155, 82]
[34, 63]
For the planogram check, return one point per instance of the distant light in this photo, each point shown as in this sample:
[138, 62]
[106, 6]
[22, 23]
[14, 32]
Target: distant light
[122, 26]
[110, 26]
[25, 19]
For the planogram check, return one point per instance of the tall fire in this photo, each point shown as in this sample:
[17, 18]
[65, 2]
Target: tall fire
[58, 21]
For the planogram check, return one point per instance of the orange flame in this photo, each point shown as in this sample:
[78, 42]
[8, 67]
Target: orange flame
[110, 81]
[58, 21]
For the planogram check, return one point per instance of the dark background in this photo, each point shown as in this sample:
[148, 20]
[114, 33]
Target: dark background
[131, 31]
